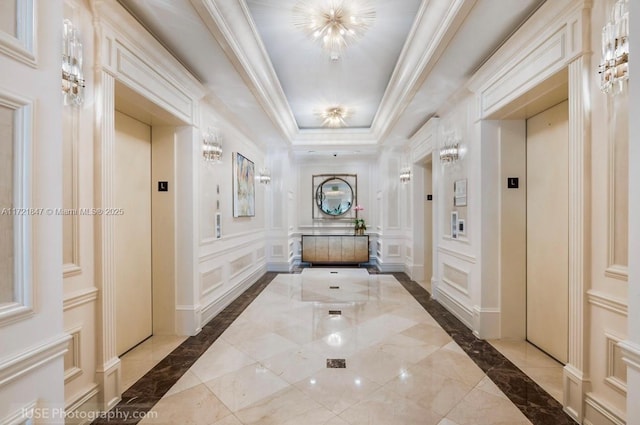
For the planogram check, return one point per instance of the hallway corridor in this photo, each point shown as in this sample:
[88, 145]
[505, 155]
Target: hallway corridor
[338, 346]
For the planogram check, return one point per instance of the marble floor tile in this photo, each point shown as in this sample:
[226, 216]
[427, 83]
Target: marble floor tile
[196, 405]
[452, 364]
[228, 420]
[289, 405]
[264, 346]
[524, 354]
[481, 408]
[337, 389]
[141, 359]
[542, 368]
[295, 365]
[429, 389]
[406, 348]
[378, 366]
[187, 381]
[220, 359]
[246, 386]
[549, 378]
[385, 407]
[263, 360]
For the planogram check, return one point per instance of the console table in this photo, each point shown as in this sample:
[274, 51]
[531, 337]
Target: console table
[335, 249]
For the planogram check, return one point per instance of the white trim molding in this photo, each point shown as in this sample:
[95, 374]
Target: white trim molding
[598, 412]
[78, 298]
[606, 301]
[437, 21]
[555, 39]
[631, 354]
[454, 305]
[22, 416]
[22, 46]
[23, 122]
[615, 359]
[14, 367]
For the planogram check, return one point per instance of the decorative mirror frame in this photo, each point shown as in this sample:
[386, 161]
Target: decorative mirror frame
[317, 180]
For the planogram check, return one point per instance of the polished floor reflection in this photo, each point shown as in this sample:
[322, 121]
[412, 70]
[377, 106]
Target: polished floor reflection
[335, 346]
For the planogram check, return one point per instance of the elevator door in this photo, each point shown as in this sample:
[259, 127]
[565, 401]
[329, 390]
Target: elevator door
[132, 232]
[548, 231]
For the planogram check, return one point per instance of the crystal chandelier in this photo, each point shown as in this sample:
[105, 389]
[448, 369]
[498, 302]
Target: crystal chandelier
[212, 147]
[334, 116]
[72, 80]
[614, 70]
[334, 23]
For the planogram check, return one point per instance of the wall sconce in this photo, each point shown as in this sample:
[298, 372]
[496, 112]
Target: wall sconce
[614, 70]
[405, 174]
[450, 152]
[72, 80]
[212, 146]
[264, 176]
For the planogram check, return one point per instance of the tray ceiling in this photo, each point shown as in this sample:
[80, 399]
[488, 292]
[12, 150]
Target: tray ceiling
[262, 69]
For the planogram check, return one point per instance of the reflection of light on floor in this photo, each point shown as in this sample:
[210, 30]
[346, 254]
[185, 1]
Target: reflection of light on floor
[334, 339]
[312, 381]
[357, 381]
[404, 374]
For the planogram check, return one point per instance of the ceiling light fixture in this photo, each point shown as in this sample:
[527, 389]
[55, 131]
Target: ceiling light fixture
[334, 23]
[334, 116]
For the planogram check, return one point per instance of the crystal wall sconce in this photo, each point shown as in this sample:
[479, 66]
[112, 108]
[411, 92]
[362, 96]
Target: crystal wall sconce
[614, 70]
[212, 147]
[450, 151]
[405, 174]
[264, 176]
[72, 79]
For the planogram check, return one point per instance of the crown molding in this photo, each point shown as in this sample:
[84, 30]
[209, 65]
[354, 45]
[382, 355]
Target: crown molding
[232, 26]
[437, 22]
[230, 23]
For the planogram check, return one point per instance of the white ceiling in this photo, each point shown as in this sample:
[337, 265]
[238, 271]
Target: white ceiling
[312, 82]
[270, 79]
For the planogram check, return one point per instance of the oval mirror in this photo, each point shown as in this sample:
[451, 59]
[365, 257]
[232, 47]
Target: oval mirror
[334, 196]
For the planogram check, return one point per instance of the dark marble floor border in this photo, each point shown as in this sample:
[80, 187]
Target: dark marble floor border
[533, 401]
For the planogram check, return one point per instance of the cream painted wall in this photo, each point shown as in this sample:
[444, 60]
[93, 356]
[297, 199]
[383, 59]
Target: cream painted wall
[36, 342]
[633, 326]
[464, 261]
[227, 265]
[428, 224]
[80, 293]
[163, 248]
[513, 233]
[607, 289]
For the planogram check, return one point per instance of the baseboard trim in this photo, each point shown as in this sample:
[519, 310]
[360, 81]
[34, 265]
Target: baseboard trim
[461, 311]
[216, 306]
[76, 404]
[279, 267]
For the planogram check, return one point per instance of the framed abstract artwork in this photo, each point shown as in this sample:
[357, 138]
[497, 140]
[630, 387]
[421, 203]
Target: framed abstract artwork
[244, 186]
